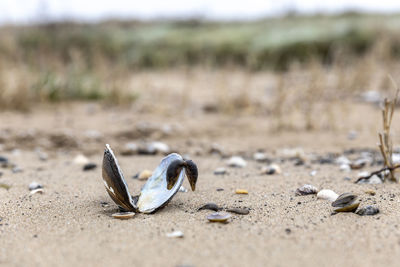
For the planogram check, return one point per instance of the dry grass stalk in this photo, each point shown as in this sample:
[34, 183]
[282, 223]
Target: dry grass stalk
[385, 140]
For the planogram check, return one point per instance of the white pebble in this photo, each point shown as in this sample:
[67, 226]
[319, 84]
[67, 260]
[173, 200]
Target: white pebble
[175, 234]
[345, 167]
[80, 160]
[34, 185]
[236, 161]
[327, 194]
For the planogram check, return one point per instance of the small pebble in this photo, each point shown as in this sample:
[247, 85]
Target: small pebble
[221, 217]
[130, 149]
[260, 157]
[34, 185]
[89, 166]
[220, 171]
[313, 173]
[241, 191]
[368, 210]
[271, 169]
[239, 211]
[183, 189]
[345, 167]
[237, 162]
[80, 160]
[220, 189]
[374, 179]
[145, 174]
[175, 234]
[306, 189]
[123, 215]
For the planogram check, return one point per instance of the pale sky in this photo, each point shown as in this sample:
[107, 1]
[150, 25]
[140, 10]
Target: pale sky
[25, 11]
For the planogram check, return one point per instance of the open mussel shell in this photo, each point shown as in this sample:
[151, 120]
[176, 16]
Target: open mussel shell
[344, 200]
[114, 181]
[154, 194]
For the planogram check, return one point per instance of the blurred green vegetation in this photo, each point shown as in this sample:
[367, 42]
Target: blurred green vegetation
[270, 43]
[70, 61]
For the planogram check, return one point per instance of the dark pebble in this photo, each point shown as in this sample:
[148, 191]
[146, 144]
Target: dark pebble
[89, 166]
[220, 189]
[288, 231]
[210, 206]
[368, 210]
[239, 211]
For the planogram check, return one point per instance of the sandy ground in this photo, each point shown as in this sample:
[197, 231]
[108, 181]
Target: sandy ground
[68, 226]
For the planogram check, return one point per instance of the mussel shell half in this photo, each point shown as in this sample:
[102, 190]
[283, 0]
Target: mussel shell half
[154, 194]
[344, 200]
[115, 183]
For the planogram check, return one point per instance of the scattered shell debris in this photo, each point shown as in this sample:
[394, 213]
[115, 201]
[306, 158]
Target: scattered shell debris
[221, 217]
[123, 215]
[175, 234]
[306, 189]
[327, 194]
[241, 191]
[237, 162]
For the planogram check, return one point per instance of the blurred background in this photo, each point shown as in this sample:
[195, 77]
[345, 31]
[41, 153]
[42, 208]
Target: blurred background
[288, 60]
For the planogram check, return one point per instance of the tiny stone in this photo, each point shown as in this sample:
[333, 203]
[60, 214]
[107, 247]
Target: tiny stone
[89, 166]
[241, 191]
[260, 157]
[220, 189]
[175, 234]
[237, 162]
[182, 189]
[221, 217]
[130, 149]
[368, 210]
[34, 185]
[313, 173]
[220, 171]
[271, 169]
[80, 160]
[327, 194]
[145, 174]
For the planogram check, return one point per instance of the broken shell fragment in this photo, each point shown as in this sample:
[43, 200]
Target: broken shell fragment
[221, 217]
[260, 157]
[349, 208]
[175, 234]
[210, 206]
[327, 194]
[123, 215]
[145, 174]
[271, 169]
[241, 191]
[306, 189]
[36, 191]
[237, 162]
[344, 200]
[368, 210]
[34, 185]
[239, 211]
